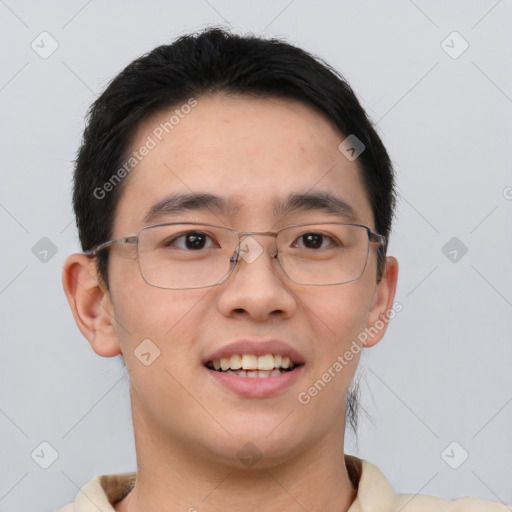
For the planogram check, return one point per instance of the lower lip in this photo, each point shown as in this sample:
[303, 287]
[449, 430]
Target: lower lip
[256, 387]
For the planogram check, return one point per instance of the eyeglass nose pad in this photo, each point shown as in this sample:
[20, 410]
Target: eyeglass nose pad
[236, 255]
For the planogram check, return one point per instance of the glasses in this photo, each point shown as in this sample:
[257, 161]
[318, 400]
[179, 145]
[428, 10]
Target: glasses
[181, 256]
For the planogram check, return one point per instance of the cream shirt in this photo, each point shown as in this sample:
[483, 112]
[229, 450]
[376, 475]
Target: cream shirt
[374, 494]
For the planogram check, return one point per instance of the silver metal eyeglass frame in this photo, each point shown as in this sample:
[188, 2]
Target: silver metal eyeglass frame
[134, 239]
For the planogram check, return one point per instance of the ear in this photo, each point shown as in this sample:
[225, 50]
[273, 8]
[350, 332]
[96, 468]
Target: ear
[382, 307]
[91, 304]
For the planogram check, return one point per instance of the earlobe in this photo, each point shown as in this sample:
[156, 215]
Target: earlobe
[382, 304]
[90, 304]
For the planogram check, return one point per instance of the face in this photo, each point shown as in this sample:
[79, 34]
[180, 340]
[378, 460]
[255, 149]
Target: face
[252, 153]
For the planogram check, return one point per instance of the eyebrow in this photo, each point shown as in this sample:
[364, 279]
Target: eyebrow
[180, 203]
[315, 201]
[296, 202]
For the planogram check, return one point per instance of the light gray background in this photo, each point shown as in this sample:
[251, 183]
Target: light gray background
[442, 373]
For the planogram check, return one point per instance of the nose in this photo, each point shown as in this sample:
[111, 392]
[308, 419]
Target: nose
[257, 287]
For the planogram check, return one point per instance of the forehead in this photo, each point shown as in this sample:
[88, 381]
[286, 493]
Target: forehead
[255, 153]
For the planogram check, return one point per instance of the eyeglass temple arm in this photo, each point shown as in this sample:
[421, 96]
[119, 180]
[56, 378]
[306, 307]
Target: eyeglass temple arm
[375, 237]
[123, 240]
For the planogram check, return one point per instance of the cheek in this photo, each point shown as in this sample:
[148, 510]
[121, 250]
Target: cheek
[164, 317]
[336, 317]
[338, 314]
[144, 311]
[156, 330]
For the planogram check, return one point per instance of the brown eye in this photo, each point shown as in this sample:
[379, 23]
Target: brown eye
[314, 241]
[193, 240]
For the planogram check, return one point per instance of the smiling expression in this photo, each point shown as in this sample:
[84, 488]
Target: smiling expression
[252, 154]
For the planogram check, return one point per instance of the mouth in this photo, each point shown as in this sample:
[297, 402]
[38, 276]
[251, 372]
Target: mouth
[254, 366]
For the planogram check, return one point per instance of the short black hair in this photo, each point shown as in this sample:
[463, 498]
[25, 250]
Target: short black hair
[210, 61]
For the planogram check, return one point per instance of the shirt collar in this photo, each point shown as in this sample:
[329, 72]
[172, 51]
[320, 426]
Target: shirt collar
[373, 490]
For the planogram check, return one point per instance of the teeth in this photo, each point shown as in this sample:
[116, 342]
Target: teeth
[235, 362]
[255, 373]
[268, 365]
[249, 362]
[266, 362]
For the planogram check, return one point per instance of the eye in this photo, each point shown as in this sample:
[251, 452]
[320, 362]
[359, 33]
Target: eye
[314, 241]
[192, 240]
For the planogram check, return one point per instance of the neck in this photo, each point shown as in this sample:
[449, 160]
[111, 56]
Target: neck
[172, 477]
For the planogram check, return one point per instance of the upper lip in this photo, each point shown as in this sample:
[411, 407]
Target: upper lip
[258, 348]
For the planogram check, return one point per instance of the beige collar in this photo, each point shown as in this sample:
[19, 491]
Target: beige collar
[374, 492]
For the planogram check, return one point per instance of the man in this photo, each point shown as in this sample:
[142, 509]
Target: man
[234, 204]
